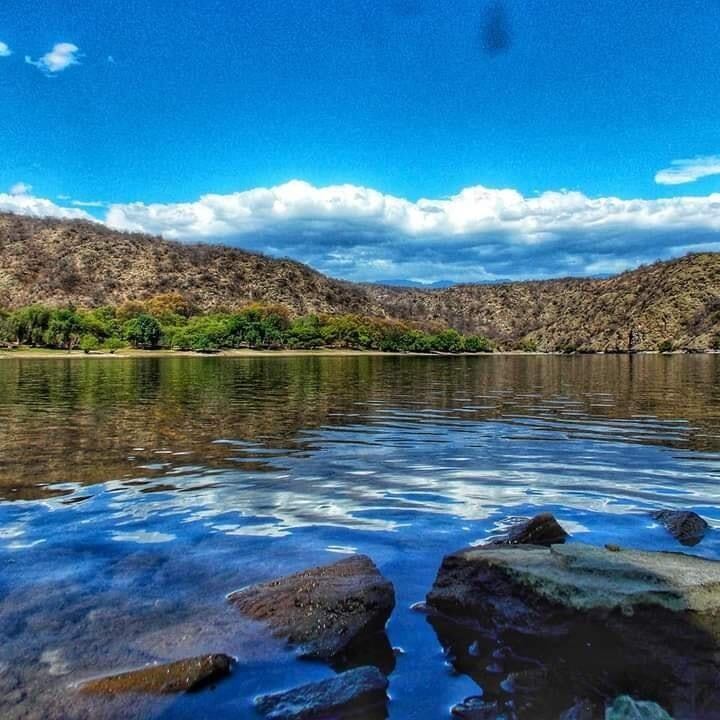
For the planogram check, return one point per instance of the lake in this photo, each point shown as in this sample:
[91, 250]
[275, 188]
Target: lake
[136, 493]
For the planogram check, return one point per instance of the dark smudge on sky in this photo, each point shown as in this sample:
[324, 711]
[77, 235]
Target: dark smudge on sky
[495, 32]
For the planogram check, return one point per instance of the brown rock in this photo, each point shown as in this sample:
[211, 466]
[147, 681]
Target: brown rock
[175, 677]
[543, 529]
[687, 527]
[327, 611]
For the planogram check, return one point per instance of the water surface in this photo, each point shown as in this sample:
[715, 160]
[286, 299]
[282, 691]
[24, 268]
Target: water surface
[136, 493]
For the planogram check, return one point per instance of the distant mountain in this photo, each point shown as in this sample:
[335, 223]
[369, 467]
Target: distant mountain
[437, 285]
[86, 264]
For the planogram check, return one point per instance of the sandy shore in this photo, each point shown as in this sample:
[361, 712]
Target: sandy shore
[45, 353]
[39, 353]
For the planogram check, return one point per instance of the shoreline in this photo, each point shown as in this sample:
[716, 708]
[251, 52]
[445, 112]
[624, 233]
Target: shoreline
[49, 354]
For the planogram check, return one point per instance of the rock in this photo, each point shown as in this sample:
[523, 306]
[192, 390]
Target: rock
[361, 692]
[581, 710]
[328, 612]
[475, 708]
[576, 617]
[687, 527]
[543, 529]
[577, 577]
[175, 677]
[625, 708]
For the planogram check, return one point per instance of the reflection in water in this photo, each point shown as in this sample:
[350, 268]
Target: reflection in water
[135, 493]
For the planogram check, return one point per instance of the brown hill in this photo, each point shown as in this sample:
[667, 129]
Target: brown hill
[86, 264]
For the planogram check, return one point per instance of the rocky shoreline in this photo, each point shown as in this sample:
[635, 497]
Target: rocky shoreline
[547, 629]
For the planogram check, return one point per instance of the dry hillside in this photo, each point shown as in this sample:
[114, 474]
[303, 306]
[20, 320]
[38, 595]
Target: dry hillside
[86, 264]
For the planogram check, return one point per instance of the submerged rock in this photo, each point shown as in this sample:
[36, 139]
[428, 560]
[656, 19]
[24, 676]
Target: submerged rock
[581, 710]
[175, 677]
[625, 708]
[358, 693]
[543, 529]
[476, 708]
[548, 625]
[328, 612]
[687, 527]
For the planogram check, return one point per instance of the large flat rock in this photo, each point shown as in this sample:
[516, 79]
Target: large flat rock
[359, 694]
[327, 611]
[539, 627]
[578, 577]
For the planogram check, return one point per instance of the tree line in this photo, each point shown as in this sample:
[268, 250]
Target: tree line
[168, 322]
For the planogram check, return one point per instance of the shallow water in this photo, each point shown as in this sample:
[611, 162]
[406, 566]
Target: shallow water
[136, 493]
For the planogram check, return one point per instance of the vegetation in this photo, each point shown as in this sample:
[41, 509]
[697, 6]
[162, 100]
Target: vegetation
[166, 321]
[63, 263]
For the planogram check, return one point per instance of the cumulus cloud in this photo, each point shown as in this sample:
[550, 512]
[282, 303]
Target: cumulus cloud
[479, 233]
[689, 170]
[61, 57]
[21, 188]
[19, 200]
[5, 51]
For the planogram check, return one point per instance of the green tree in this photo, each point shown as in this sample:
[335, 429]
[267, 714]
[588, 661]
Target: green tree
[28, 325]
[88, 343]
[305, 332]
[113, 344]
[477, 344]
[143, 331]
[64, 329]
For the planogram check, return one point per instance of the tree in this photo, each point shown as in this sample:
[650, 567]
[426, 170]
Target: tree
[143, 331]
[88, 343]
[29, 325]
[64, 329]
[305, 332]
[477, 344]
[113, 344]
[166, 305]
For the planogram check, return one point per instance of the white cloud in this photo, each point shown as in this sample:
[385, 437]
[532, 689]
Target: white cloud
[21, 188]
[480, 233]
[5, 51]
[89, 203]
[61, 57]
[689, 170]
[20, 200]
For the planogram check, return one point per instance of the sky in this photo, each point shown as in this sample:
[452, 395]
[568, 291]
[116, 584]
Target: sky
[467, 140]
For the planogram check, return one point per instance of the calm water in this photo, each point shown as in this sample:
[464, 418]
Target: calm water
[134, 494]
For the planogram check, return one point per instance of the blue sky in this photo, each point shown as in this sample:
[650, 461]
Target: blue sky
[145, 109]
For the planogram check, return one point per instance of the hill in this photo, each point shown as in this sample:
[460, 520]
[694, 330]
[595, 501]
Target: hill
[86, 264]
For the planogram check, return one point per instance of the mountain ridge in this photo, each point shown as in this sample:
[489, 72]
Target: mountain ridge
[673, 303]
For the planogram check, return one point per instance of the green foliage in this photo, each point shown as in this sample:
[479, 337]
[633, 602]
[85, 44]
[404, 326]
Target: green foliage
[478, 344]
[447, 341]
[64, 329]
[528, 345]
[88, 343]
[142, 331]
[666, 346]
[113, 344]
[255, 326]
[715, 342]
